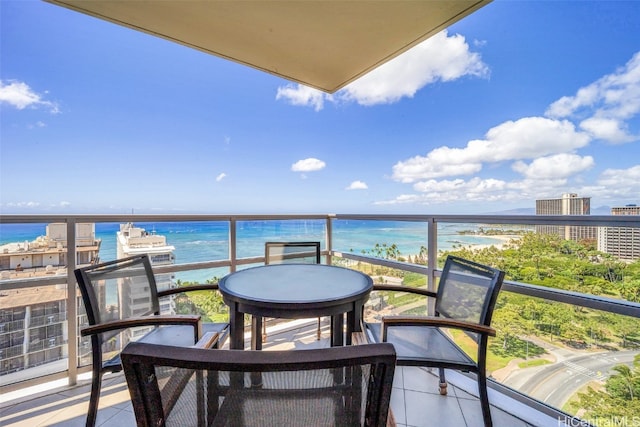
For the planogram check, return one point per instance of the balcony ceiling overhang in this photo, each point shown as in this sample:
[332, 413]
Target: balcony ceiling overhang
[322, 44]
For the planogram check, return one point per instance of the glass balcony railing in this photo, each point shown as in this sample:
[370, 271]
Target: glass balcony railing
[568, 318]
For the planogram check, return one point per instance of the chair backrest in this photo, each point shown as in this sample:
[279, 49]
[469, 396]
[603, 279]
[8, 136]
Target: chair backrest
[117, 290]
[468, 290]
[292, 252]
[190, 386]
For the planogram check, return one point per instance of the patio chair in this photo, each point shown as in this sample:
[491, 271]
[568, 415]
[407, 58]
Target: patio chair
[122, 304]
[291, 252]
[464, 301]
[340, 386]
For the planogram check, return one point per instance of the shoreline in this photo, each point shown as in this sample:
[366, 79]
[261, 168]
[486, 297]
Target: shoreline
[503, 239]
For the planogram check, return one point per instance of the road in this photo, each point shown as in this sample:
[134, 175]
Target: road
[556, 383]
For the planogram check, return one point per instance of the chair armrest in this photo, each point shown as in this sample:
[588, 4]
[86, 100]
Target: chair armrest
[207, 287]
[208, 340]
[437, 322]
[400, 288]
[157, 320]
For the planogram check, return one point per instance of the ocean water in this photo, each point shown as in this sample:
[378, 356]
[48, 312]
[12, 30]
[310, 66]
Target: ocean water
[207, 241]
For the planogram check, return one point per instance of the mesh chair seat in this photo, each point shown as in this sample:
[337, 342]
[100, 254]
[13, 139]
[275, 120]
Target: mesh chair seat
[417, 345]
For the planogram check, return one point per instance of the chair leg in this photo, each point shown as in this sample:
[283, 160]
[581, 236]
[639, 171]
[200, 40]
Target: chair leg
[264, 329]
[94, 400]
[443, 382]
[484, 399]
[318, 332]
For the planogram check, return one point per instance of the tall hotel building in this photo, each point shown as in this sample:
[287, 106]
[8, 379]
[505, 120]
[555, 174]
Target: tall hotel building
[622, 242]
[569, 204]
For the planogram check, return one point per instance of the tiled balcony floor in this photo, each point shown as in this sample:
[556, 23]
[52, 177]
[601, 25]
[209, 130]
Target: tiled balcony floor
[415, 400]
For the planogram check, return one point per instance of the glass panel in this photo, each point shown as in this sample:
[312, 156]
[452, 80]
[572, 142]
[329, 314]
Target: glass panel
[386, 303]
[205, 303]
[585, 362]
[549, 260]
[33, 333]
[397, 240]
[252, 235]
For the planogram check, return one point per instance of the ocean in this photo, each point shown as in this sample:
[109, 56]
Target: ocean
[207, 241]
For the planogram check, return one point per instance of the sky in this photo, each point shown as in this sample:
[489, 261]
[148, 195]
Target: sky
[516, 102]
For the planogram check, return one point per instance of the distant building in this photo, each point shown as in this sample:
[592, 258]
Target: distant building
[47, 254]
[133, 240]
[569, 204]
[33, 326]
[621, 242]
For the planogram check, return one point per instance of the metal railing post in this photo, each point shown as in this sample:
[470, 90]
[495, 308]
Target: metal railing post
[233, 247]
[432, 260]
[329, 238]
[72, 312]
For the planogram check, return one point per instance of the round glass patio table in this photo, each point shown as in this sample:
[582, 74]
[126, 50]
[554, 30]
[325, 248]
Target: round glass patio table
[295, 291]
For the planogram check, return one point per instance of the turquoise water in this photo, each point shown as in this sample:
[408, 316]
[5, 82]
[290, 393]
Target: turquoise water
[207, 241]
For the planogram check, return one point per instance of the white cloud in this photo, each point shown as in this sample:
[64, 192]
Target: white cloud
[606, 103]
[557, 166]
[21, 96]
[439, 58]
[443, 161]
[435, 192]
[543, 150]
[357, 185]
[308, 165]
[304, 96]
[23, 204]
[611, 130]
[221, 176]
[38, 124]
[616, 179]
[527, 138]
[613, 184]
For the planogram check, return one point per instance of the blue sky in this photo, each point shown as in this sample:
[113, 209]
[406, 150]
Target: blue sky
[519, 101]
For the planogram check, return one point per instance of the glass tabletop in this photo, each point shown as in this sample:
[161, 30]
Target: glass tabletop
[295, 283]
